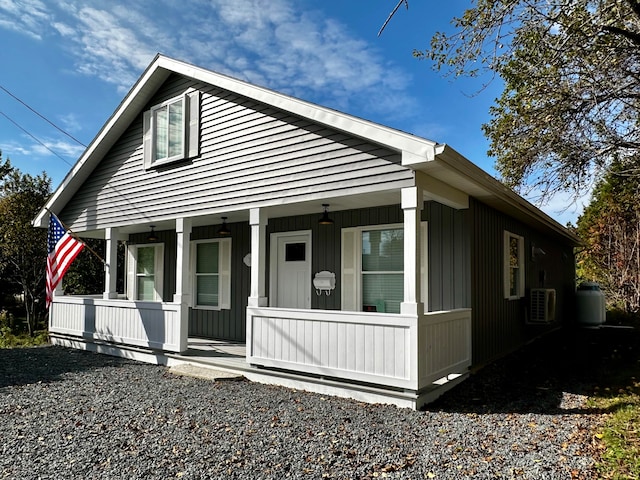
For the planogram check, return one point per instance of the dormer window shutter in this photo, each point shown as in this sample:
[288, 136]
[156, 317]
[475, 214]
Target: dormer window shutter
[193, 133]
[147, 139]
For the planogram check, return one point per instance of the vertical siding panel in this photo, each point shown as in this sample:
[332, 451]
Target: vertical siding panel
[498, 324]
[435, 257]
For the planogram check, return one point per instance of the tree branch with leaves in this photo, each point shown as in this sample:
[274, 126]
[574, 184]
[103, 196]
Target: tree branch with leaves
[571, 73]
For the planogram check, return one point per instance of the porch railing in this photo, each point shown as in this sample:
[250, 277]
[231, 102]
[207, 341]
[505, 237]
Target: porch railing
[390, 350]
[147, 324]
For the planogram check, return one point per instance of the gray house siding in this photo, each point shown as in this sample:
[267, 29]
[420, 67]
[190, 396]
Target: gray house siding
[449, 256]
[226, 324]
[448, 260]
[168, 238]
[500, 325]
[250, 155]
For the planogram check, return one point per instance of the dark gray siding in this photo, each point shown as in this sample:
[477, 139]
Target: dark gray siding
[449, 275]
[168, 238]
[250, 154]
[226, 324]
[500, 325]
[449, 255]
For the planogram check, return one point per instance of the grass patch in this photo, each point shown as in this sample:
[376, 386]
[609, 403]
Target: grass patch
[8, 339]
[619, 435]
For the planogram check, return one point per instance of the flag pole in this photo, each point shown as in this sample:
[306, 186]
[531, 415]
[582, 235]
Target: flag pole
[76, 236]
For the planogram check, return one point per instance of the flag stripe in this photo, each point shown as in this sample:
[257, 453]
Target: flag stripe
[63, 250]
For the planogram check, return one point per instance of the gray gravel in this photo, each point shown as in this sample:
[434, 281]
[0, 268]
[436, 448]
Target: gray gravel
[71, 414]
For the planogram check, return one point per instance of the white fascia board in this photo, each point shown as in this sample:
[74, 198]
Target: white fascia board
[441, 192]
[529, 213]
[415, 150]
[130, 106]
[418, 148]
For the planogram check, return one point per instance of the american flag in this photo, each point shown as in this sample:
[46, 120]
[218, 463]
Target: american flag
[63, 249]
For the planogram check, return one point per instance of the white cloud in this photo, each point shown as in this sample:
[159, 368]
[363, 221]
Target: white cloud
[25, 16]
[35, 152]
[275, 44]
[71, 122]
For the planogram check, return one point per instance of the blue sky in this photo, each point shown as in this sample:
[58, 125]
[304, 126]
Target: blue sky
[74, 61]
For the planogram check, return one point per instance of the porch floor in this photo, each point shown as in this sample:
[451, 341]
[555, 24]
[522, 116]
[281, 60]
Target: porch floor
[214, 353]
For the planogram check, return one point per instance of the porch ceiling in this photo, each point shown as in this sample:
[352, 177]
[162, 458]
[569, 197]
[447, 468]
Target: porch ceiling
[388, 197]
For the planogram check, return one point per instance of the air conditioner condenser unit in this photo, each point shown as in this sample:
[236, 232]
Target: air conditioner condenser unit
[543, 305]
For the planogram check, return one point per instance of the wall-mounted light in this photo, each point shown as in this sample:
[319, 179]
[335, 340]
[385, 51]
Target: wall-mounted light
[537, 252]
[152, 235]
[324, 219]
[224, 229]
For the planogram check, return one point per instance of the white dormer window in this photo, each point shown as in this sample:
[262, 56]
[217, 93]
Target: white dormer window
[171, 130]
[167, 124]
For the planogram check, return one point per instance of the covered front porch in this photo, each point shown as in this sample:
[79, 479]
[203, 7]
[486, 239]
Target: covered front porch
[397, 359]
[338, 339]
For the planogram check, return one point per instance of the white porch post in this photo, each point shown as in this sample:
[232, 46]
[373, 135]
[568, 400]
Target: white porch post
[258, 221]
[412, 206]
[111, 263]
[183, 291]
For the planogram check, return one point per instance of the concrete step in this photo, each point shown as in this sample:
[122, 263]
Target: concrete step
[204, 373]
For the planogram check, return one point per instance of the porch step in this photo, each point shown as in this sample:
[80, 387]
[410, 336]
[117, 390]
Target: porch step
[188, 370]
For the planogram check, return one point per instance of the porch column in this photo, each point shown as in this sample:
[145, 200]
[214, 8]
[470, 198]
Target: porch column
[412, 207]
[111, 263]
[258, 221]
[183, 293]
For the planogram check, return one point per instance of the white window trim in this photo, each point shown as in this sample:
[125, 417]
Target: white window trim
[161, 161]
[224, 274]
[351, 273]
[132, 262]
[507, 266]
[190, 130]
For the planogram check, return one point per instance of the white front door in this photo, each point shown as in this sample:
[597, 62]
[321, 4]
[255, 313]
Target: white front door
[291, 270]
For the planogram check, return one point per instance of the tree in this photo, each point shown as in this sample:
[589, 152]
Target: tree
[86, 274]
[610, 226]
[23, 248]
[571, 72]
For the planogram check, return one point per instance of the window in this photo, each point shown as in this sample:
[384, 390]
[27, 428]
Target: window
[513, 266]
[168, 131]
[373, 268]
[144, 272]
[171, 130]
[212, 271]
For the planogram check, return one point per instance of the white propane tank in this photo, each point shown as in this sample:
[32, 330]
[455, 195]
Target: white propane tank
[590, 304]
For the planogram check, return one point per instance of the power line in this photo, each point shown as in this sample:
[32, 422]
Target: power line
[34, 137]
[42, 117]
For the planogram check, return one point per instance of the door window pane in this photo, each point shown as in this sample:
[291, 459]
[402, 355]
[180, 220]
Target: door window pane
[295, 252]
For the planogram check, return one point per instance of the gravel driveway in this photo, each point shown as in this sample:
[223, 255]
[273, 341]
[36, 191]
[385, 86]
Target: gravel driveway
[69, 414]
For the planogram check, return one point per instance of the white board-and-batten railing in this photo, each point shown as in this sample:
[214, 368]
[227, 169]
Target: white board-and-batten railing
[398, 351]
[153, 325]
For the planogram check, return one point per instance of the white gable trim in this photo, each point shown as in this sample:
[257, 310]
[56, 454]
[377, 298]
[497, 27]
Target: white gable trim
[159, 71]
